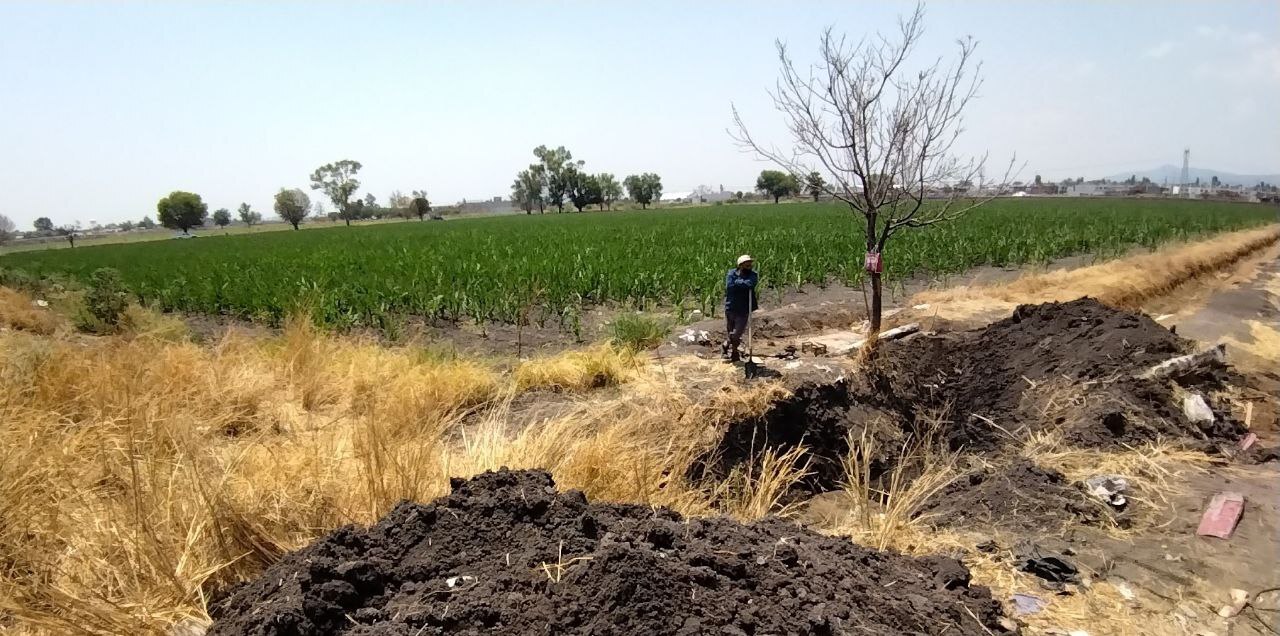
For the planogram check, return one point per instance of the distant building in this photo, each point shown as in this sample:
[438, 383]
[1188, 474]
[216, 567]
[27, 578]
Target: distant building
[496, 204]
[1098, 190]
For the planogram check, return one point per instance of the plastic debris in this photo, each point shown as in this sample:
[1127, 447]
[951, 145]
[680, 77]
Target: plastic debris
[1196, 409]
[1049, 566]
[695, 315]
[1239, 598]
[1248, 441]
[1221, 516]
[455, 581]
[41, 303]
[695, 337]
[1028, 604]
[1108, 488]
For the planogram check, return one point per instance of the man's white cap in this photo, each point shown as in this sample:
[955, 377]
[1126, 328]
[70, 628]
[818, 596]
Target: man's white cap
[744, 258]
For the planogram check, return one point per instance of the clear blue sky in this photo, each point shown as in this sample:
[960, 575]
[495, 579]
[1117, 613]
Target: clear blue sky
[106, 107]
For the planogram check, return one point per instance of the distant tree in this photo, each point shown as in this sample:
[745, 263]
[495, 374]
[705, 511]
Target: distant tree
[125, 226]
[248, 216]
[292, 206]
[644, 188]
[610, 189]
[529, 189]
[557, 168]
[7, 228]
[338, 181]
[182, 211]
[882, 132]
[357, 211]
[776, 184]
[371, 201]
[146, 223]
[814, 184]
[584, 189]
[1038, 182]
[399, 203]
[1215, 182]
[44, 225]
[222, 217]
[522, 195]
[333, 217]
[420, 207]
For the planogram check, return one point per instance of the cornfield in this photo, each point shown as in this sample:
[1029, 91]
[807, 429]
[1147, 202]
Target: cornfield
[545, 269]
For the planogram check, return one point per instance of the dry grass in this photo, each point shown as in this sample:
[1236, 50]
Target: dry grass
[19, 311]
[1126, 282]
[1263, 343]
[883, 509]
[140, 472]
[594, 367]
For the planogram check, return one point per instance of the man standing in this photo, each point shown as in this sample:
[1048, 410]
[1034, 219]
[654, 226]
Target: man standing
[739, 302]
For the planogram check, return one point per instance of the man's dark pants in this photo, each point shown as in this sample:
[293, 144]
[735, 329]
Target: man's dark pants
[735, 322]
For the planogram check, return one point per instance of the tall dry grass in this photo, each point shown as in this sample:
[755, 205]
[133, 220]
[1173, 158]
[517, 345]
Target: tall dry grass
[139, 474]
[1126, 282]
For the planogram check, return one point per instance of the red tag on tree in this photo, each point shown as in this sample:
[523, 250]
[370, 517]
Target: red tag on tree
[873, 263]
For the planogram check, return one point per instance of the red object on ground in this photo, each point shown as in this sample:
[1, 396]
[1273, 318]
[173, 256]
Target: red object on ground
[1221, 516]
[873, 263]
[1248, 441]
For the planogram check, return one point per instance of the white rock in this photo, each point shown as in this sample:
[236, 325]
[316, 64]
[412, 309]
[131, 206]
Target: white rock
[695, 315]
[1196, 409]
[42, 303]
[455, 581]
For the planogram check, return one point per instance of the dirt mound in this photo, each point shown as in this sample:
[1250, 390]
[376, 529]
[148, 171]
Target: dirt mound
[1017, 374]
[506, 553]
[1021, 496]
[819, 417]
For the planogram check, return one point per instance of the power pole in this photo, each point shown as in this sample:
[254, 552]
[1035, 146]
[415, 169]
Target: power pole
[1186, 171]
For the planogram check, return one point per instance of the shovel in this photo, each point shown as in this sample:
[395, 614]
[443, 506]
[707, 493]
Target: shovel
[752, 368]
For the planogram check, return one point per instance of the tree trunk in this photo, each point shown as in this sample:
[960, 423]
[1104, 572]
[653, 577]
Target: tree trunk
[348, 222]
[295, 225]
[775, 199]
[872, 243]
[875, 304]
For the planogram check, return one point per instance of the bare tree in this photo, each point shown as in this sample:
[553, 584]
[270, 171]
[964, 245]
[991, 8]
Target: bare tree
[882, 134]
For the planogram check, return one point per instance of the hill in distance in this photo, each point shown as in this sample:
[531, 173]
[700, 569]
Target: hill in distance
[1174, 173]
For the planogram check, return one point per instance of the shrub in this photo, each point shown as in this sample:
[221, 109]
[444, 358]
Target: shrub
[105, 301]
[639, 331]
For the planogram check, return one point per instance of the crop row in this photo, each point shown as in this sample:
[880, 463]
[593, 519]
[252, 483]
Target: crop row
[547, 268]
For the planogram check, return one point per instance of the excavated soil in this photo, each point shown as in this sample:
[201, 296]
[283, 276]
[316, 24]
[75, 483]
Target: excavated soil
[1021, 497]
[506, 553]
[1067, 365]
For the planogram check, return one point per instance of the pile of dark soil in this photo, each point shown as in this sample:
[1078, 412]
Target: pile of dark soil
[817, 416]
[506, 553]
[1008, 373]
[1022, 497]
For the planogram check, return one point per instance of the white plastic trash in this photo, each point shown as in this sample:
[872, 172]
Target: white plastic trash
[1196, 409]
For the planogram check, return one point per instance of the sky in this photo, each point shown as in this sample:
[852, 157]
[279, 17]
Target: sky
[106, 107]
